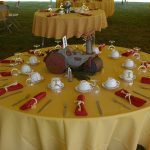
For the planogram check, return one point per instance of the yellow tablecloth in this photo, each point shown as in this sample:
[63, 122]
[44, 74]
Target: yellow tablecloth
[107, 5]
[69, 24]
[118, 129]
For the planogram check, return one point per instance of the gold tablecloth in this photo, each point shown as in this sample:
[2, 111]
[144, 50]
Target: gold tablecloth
[118, 129]
[69, 24]
[107, 5]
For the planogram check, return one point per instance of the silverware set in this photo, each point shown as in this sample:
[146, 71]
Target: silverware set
[99, 108]
[44, 106]
[21, 100]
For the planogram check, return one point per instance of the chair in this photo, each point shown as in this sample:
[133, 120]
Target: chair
[4, 21]
[13, 14]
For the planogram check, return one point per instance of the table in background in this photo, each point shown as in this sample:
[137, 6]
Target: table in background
[107, 5]
[118, 129]
[72, 24]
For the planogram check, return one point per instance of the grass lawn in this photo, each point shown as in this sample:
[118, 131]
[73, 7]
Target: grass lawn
[129, 27]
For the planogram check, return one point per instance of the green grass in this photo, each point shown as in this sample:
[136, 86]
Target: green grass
[129, 27]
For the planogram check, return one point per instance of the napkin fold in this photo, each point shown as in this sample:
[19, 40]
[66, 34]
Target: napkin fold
[37, 54]
[145, 80]
[80, 108]
[33, 101]
[9, 88]
[5, 74]
[7, 61]
[128, 53]
[130, 98]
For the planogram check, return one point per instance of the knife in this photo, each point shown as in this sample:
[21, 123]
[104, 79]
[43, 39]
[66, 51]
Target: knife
[44, 106]
[99, 107]
[10, 95]
[141, 95]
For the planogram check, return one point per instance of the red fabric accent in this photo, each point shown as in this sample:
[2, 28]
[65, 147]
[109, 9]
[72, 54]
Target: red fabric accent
[134, 100]
[11, 88]
[7, 61]
[5, 74]
[51, 15]
[31, 102]
[145, 80]
[101, 46]
[146, 63]
[129, 53]
[83, 111]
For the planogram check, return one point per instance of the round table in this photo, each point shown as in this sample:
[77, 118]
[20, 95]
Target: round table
[68, 25]
[121, 126]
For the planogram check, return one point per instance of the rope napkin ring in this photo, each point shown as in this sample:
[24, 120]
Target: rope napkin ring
[79, 102]
[6, 87]
[127, 96]
[34, 105]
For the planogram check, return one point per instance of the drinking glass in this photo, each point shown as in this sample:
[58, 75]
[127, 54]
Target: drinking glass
[111, 46]
[137, 53]
[49, 8]
[58, 46]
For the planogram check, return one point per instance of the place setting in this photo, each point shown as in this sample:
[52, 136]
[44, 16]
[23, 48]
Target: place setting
[129, 64]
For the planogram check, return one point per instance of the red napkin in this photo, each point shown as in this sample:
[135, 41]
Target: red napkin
[51, 15]
[37, 54]
[7, 61]
[80, 108]
[33, 101]
[145, 80]
[101, 46]
[12, 87]
[134, 100]
[5, 74]
[129, 53]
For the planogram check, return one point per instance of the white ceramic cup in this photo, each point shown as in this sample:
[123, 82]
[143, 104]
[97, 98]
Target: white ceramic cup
[96, 50]
[111, 82]
[56, 83]
[128, 74]
[115, 54]
[84, 85]
[33, 60]
[61, 12]
[129, 63]
[25, 69]
[34, 77]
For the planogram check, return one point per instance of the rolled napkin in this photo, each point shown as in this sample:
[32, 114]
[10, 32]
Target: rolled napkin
[51, 15]
[80, 108]
[33, 101]
[6, 61]
[128, 53]
[5, 74]
[35, 53]
[130, 98]
[145, 80]
[11, 87]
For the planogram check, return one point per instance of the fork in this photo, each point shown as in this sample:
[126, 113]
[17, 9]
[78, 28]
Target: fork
[65, 109]
[22, 99]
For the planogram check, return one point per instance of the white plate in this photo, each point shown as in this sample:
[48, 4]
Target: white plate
[34, 63]
[83, 91]
[110, 88]
[128, 80]
[128, 67]
[115, 57]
